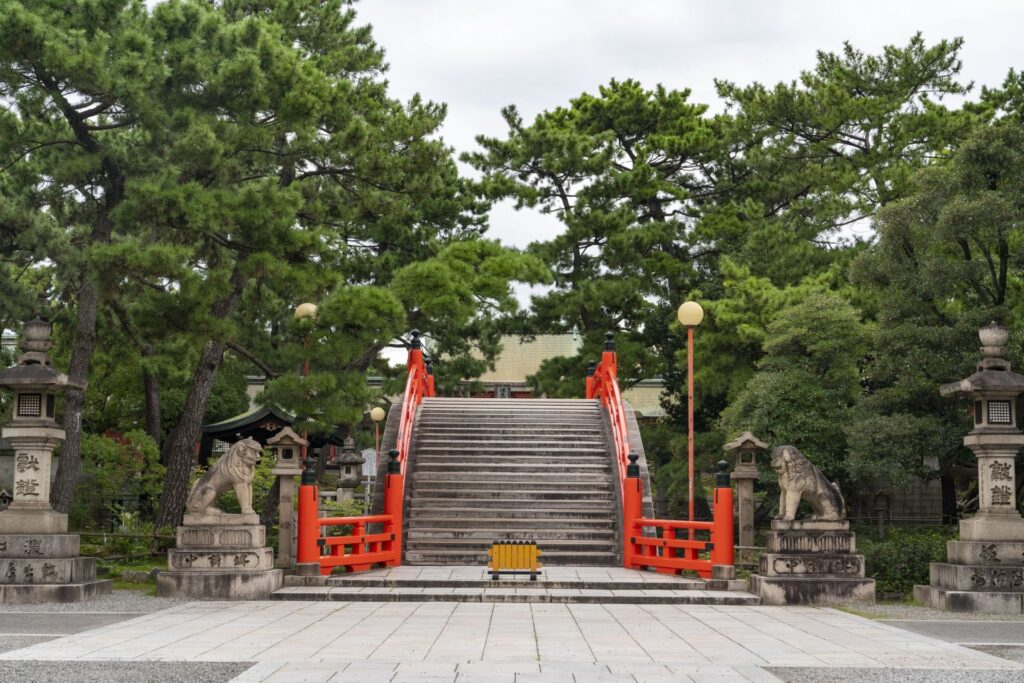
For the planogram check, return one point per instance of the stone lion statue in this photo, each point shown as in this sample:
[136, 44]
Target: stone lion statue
[234, 470]
[800, 479]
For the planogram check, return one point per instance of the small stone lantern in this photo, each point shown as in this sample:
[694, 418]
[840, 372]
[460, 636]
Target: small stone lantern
[985, 568]
[745, 450]
[350, 470]
[287, 447]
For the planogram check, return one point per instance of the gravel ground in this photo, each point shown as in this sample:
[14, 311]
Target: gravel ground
[118, 601]
[863, 675]
[121, 672]
[1015, 653]
[903, 611]
[8, 643]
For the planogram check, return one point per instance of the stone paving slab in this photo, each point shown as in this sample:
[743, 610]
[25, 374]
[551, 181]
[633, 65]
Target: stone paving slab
[352, 641]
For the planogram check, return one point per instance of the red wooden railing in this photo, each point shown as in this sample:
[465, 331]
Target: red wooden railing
[662, 552]
[360, 550]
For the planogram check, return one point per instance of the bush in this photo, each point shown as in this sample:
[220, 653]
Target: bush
[901, 560]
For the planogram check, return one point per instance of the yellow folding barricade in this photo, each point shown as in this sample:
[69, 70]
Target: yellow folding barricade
[514, 557]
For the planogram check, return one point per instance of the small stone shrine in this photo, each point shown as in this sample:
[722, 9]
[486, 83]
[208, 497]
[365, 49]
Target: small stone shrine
[745, 473]
[39, 560]
[350, 469]
[810, 561]
[984, 571]
[287, 447]
[220, 555]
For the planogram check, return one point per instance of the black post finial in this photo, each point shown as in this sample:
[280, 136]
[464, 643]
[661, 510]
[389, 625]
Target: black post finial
[394, 467]
[609, 341]
[632, 469]
[591, 368]
[416, 343]
[309, 473]
[722, 476]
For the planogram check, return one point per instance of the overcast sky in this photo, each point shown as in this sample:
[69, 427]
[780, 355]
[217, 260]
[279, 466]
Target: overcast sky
[480, 55]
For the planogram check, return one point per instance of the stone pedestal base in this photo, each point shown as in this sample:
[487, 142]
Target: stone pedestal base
[29, 518]
[220, 557]
[980, 576]
[810, 562]
[37, 568]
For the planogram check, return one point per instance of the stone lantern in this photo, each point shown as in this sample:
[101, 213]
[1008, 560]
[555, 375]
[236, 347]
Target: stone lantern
[985, 568]
[287, 447]
[745, 450]
[39, 560]
[350, 470]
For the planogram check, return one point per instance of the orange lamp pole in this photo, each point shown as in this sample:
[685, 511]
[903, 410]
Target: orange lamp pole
[690, 314]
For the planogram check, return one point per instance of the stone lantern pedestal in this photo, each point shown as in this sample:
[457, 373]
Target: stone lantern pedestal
[984, 571]
[350, 470]
[39, 560]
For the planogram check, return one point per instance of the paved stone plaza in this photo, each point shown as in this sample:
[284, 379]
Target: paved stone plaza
[444, 641]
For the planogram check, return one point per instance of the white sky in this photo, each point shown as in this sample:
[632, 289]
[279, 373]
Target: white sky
[480, 55]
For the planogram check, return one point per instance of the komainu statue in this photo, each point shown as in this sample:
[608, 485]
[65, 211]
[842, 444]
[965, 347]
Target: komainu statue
[800, 479]
[234, 470]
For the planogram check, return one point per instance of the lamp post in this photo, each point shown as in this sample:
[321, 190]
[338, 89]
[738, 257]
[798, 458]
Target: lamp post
[377, 414]
[306, 315]
[690, 314]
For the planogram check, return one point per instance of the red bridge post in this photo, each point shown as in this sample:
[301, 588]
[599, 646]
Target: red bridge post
[722, 533]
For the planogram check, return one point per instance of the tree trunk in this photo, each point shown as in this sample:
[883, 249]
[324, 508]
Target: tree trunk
[70, 462]
[179, 452]
[151, 391]
[180, 448]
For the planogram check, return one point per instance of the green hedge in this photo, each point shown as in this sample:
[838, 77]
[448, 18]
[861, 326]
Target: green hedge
[901, 560]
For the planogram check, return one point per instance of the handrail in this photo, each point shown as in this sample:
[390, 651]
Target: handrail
[360, 550]
[418, 385]
[604, 385]
[657, 552]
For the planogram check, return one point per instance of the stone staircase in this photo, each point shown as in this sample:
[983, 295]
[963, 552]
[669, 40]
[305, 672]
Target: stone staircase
[527, 469]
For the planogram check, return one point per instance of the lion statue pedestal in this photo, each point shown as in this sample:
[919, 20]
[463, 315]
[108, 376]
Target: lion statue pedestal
[222, 556]
[810, 561]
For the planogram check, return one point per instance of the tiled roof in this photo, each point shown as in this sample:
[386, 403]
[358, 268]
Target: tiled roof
[518, 359]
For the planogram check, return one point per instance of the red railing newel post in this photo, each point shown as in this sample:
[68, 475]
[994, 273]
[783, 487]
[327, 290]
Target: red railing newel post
[309, 525]
[394, 492]
[632, 511]
[723, 532]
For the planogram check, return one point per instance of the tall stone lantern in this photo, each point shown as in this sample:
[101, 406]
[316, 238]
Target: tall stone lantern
[745, 450]
[985, 568]
[287, 446]
[39, 560]
[350, 472]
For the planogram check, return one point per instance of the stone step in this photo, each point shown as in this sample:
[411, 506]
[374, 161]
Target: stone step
[534, 495]
[501, 593]
[508, 449]
[510, 466]
[524, 431]
[510, 523]
[498, 459]
[425, 502]
[556, 558]
[488, 535]
[467, 514]
[457, 400]
[481, 545]
[545, 484]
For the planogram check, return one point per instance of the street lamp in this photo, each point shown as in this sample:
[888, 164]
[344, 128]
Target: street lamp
[377, 414]
[306, 315]
[690, 314]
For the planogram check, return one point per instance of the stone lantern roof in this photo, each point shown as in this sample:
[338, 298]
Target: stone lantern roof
[994, 376]
[349, 456]
[34, 370]
[745, 440]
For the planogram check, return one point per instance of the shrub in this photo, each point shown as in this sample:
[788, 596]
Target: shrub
[901, 560]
